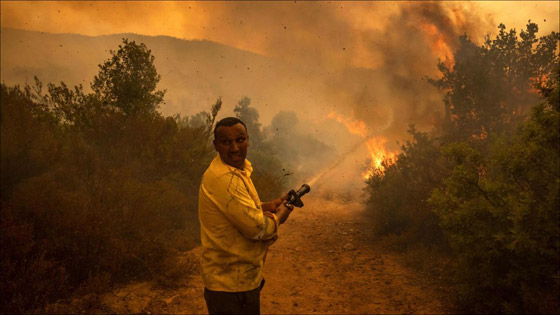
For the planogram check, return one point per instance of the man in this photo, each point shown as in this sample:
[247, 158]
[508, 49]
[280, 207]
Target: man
[235, 227]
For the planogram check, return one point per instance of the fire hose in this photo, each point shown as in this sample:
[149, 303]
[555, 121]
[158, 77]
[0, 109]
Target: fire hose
[295, 196]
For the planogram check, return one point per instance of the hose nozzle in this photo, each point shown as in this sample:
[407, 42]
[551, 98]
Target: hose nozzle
[295, 196]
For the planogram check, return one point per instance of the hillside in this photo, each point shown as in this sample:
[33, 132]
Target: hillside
[194, 73]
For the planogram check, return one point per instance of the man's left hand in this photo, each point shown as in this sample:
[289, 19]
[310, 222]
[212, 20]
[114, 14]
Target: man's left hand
[271, 206]
[283, 212]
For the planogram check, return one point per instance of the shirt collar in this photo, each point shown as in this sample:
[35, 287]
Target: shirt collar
[222, 168]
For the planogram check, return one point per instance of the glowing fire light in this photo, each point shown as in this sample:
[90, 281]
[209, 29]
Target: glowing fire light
[375, 145]
[356, 127]
[376, 148]
[539, 80]
[439, 43]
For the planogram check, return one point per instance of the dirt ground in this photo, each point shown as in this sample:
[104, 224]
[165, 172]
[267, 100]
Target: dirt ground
[325, 261]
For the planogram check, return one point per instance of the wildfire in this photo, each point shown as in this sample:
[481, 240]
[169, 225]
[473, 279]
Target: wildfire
[375, 145]
[439, 43]
[356, 127]
[378, 154]
[536, 81]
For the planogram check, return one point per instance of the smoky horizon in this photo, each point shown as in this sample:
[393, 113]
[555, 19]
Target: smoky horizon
[348, 73]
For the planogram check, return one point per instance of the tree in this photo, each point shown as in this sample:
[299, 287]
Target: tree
[250, 116]
[397, 196]
[499, 211]
[127, 81]
[96, 188]
[493, 85]
[267, 174]
[491, 178]
[211, 117]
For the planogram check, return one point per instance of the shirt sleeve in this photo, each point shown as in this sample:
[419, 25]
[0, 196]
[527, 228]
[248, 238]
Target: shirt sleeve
[232, 198]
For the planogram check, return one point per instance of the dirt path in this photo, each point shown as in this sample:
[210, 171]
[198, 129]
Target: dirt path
[325, 261]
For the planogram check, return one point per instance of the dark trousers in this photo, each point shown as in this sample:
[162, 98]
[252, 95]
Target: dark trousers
[247, 302]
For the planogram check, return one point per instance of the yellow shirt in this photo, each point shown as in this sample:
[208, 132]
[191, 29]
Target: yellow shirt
[234, 230]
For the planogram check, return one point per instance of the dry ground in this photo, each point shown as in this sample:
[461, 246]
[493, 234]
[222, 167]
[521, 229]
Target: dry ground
[325, 261]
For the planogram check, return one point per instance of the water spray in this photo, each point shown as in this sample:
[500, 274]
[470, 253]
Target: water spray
[388, 123]
[335, 163]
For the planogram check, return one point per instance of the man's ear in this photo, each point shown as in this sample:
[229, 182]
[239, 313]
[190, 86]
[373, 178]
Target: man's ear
[215, 143]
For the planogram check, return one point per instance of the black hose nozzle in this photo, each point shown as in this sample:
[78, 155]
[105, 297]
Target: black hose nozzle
[295, 196]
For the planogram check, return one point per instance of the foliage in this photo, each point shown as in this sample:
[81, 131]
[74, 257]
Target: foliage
[128, 80]
[492, 86]
[250, 116]
[100, 188]
[397, 196]
[489, 183]
[500, 212]
[116, 197]
[94, 194]
[267, 175]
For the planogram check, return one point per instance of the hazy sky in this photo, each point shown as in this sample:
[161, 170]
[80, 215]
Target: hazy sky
[367, 57]
[393, 40]
[270, 28]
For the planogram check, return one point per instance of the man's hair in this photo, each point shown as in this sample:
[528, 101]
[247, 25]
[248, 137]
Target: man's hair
[228, 122]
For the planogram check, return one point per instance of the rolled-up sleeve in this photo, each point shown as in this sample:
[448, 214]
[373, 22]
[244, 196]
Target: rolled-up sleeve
[231, 196]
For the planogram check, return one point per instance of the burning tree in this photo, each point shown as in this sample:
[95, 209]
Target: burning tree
[487, 184]
[491, 87]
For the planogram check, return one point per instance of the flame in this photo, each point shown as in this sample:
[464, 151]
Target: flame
[378, 154]
[536, 81]
[375, 145]
[356, 127]
[439, 43]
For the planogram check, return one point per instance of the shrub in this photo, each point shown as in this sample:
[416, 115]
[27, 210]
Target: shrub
[500, 214]
[397, 197]
[96, 191]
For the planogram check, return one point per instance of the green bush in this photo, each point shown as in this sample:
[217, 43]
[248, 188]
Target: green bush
[93, 194]
[100, 188]
[397, 197]
[501, 213]
[489, 185]
[86, 203]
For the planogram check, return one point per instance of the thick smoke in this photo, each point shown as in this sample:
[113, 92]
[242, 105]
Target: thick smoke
[362, 60]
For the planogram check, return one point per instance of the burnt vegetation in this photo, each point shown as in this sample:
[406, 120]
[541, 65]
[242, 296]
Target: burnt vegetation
[485, 185]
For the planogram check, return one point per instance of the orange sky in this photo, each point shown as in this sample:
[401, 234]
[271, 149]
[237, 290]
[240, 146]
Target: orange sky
[269, 28]
[393, 39]
[362, 60]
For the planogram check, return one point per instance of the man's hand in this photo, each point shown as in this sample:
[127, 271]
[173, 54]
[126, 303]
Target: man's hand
[271, 206]
[283, 212]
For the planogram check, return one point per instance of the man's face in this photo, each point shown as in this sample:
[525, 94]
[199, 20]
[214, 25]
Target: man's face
[231, 143]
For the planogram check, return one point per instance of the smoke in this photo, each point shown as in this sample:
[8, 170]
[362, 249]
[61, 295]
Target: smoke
[365, 61]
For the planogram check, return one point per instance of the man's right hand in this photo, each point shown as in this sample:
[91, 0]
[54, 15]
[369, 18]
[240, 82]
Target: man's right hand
[283, 212]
